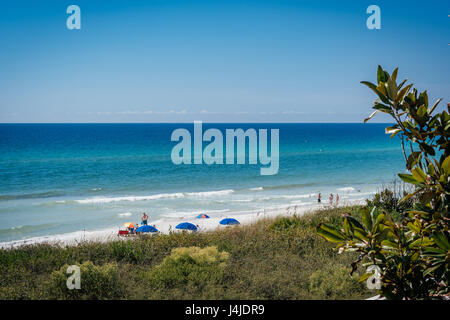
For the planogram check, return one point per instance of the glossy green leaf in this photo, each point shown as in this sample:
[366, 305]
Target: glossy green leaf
[435, 105]
[330, 233]
[401, 84]
[408, 178]
[413, 227]
[366, 276]
[381, 77]
[374, 89]
[394, 74]
[392, 89]
[371, 116]
[419, 175]
[441, 240]
[446, 166]
[389, 244]
[366, 218]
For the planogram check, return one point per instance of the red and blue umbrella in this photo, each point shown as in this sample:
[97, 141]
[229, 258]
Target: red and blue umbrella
[202, 216]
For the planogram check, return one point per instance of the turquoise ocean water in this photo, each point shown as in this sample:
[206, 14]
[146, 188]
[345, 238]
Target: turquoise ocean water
[62, 178]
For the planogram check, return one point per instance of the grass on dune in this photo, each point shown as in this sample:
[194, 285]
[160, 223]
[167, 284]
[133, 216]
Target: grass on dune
[279, 258]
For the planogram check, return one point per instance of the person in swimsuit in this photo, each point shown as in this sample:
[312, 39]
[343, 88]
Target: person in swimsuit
[319, 198]
[331, 199]
[337, 199]
[144, 219]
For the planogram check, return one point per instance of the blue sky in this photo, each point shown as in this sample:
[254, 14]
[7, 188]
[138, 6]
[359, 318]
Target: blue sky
[215, 61]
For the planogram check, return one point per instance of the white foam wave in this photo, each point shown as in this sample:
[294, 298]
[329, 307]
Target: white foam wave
[99, 200]
[301, 203]
[289, 196]
[348, 189]
[362, 193]
[192, 214]
[130, 198]
[125, 214]
[210, 193]
[299, 196]
[257, 189]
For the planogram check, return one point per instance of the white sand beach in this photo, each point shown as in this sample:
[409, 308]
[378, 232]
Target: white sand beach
[166, 225]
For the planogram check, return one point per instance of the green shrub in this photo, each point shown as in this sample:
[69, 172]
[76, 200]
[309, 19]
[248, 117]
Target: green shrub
[264, 263]
[285, 223]
[97, 282]
[193, 266]
[389, 201]
[334, 282]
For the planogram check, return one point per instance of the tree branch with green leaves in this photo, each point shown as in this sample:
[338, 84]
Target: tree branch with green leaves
[414, 254]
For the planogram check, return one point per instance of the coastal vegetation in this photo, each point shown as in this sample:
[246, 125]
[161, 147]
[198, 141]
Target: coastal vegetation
[411, 256]
[278, 258]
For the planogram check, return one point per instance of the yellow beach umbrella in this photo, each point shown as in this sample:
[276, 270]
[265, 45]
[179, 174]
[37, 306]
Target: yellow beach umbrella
[129, 225]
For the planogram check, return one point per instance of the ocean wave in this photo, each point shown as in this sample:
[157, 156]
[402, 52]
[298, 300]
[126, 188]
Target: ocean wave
[48, 194]
[348, 189]
[25, 229]
[125, 214]
[362, 193]
[100, 200]
[289, 186]
[210, 193]
[74, 237]
[285, 196]
[257, 189]
[129, 198]
[192, 214]
[301, 203]
[298, 196]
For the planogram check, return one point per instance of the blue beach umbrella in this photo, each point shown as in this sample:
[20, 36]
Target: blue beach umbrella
[202, 216]
[186, 226]
[147, 229]
[229, 221]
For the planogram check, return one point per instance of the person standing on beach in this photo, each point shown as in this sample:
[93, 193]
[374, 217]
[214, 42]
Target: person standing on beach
[319, 198]
[331, 199]
[337, 199]
[144, 219]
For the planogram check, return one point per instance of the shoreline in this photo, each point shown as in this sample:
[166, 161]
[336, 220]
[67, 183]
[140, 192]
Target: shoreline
[166, 225]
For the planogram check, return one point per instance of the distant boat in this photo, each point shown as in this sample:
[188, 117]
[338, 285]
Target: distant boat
[229, 221]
